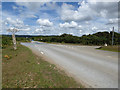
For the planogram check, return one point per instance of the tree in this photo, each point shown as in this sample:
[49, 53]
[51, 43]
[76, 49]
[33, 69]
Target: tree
[14, 26]
[14, 30]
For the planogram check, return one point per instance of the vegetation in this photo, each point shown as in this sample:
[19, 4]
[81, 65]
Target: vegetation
[110, 48]
[99, 38]
[7, 40]
[23, 69]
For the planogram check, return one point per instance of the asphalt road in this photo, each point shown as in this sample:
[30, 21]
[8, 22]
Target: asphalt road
[95, 68]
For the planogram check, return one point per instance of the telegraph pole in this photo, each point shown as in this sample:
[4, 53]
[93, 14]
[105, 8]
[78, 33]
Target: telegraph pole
[113, 36]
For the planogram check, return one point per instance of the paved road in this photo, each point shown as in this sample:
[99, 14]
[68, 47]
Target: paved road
[96, 68]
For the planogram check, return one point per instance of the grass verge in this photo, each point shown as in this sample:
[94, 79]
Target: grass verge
[23, 69]
[110, 48]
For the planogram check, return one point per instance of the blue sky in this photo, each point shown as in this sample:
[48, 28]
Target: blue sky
[56, 18]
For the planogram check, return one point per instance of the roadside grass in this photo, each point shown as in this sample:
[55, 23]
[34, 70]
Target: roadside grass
[110, 48]
[23, 69]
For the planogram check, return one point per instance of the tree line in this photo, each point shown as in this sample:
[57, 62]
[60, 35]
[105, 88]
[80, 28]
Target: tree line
[99, 38]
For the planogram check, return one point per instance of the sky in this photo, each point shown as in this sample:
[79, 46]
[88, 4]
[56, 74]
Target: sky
[56, 18]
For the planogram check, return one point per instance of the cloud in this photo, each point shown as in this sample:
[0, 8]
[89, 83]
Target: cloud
[39, 30]
[81, 14]
[89, 11]
[94, 1]
[30, 5]
[94, 28]
[105, 9]
[91, 16]
[112, 21]
[44, 22]
[55, 18]
[30, 16]
[34, 9]
[27, 29]
[14, 7]
[72, 24]
[32, 1]
[14, 23]
[9, 20]
[36, 6]
[0, 6]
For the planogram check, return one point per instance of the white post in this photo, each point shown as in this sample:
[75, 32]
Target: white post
[13, 37]
[14, 41]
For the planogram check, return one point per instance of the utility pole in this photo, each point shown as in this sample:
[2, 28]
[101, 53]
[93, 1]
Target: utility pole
[113, 36]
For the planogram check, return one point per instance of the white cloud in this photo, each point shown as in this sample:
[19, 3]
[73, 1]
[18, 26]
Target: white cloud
[36, 6]
[94, 28]
[91, 17]
[39, 30]
[80, 26]
[86, 18]
[14, 7]
[11, 24]
[113, 21]
[88, 11]
[30, 5]
[9, 20]
[94, 1]
[0, 6]
[27, 29]
[69, 14]
[30, 9]
[31, 16]
[32, 0]
[14, 23]
[72, 24]
[105, 9]
[44, 22]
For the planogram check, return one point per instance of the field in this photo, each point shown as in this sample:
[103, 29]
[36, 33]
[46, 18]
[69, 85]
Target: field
[23, 69]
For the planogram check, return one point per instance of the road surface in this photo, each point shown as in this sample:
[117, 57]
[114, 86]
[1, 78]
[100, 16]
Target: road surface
[95, 68]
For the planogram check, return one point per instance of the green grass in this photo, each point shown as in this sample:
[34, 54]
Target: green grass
[25, 70]
[110, 48]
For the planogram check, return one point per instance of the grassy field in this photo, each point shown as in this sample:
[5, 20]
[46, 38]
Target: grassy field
[23, 69]
[110, 48]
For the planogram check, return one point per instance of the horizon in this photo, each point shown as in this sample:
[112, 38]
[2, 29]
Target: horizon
[55, 35]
